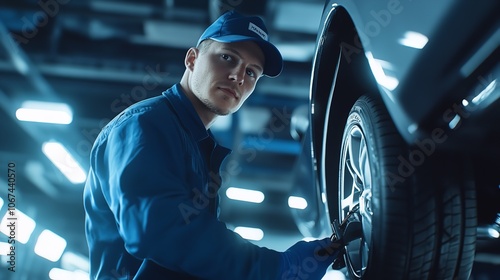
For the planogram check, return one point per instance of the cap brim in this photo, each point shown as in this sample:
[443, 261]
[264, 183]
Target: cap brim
[274, 61]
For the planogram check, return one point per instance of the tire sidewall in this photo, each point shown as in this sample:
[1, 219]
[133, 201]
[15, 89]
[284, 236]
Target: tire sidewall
[362, 115]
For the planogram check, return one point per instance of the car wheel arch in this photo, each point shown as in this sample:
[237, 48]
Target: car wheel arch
[340, 70]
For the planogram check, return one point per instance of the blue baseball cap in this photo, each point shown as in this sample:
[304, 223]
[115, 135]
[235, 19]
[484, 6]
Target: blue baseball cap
[234, 27]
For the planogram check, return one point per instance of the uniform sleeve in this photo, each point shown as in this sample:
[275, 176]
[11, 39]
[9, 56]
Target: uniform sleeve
[157, 216]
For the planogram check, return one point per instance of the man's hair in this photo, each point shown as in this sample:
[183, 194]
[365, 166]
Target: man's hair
[204, 45]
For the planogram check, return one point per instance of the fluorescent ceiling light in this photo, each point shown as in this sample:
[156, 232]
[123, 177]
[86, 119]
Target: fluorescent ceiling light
[414, 39]
[72, 261]
[454, 122]
[1, 203]
[245, 195]
[61, 274]
[249, 233]
[80, 275]
[23, 228]
[493, 233]
[45, 112]
[484, 94]
[298, 52]
[297, 202]
[64, 161]
[4, 248]
[50, 245]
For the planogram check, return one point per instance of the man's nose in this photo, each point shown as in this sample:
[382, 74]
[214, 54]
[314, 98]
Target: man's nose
[238, 75]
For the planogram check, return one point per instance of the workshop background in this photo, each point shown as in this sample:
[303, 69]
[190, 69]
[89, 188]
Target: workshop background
[93, 58]
[96, 57]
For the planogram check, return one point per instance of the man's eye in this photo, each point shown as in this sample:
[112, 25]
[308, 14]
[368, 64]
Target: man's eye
[251, 73]
[225, 57]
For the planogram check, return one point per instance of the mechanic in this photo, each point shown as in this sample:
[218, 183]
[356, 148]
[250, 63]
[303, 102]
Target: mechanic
[151, 192]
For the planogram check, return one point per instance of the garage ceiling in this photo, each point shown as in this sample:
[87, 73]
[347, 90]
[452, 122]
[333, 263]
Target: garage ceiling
[99, 56]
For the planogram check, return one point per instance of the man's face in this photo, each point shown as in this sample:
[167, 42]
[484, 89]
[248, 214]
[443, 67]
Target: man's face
[225, 74]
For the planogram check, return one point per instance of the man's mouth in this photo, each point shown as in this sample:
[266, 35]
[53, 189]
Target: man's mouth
[230, 91]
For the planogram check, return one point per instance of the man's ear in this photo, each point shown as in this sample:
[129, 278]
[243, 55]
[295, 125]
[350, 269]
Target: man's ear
[191, 56]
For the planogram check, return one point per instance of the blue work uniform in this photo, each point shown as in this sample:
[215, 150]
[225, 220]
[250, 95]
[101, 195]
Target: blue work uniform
[151, 197]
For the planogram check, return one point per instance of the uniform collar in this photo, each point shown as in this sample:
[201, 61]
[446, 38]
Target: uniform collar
[189, 118]
[186, 112]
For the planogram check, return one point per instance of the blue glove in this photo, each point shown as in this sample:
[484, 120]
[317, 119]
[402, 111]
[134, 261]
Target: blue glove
[302, 261]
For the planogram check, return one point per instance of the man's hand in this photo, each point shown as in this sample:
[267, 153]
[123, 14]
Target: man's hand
[307, 260]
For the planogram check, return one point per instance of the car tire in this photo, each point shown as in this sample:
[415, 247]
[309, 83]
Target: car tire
[417, 204]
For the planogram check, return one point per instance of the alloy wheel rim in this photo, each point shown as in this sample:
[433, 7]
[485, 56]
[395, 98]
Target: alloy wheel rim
[356, 188]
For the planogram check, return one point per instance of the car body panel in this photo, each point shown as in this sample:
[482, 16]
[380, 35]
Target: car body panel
[412, 88]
